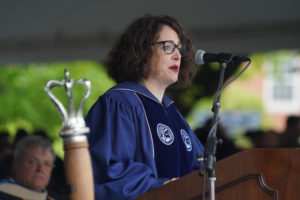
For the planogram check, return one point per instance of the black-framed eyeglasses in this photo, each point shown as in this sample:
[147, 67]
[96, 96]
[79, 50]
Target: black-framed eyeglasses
[169, 47]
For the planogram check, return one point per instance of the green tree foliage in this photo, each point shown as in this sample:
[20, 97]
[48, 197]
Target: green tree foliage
[205, 84]
[25, 104]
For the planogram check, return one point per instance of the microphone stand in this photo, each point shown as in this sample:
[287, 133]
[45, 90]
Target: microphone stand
[212, 140]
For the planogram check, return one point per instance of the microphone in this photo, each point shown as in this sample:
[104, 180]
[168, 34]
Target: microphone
[202, 57]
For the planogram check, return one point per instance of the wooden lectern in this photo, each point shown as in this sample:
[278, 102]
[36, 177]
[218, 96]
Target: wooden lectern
[254, 174]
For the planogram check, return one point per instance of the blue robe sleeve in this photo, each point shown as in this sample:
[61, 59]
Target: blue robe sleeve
[121, 151]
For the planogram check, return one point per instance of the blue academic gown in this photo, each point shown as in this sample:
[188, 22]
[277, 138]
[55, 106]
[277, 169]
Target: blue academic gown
[137, 143]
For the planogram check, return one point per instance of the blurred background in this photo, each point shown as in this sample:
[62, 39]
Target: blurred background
[39, 39]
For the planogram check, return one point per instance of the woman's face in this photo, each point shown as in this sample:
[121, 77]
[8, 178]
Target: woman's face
[164, 67]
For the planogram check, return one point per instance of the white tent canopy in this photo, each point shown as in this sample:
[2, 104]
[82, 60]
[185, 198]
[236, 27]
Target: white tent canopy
[52, 30]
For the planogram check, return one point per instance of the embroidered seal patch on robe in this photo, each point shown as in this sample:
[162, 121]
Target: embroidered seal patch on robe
[172, 143]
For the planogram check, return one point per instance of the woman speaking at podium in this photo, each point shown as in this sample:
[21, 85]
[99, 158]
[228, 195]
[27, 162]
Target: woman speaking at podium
[138, 139]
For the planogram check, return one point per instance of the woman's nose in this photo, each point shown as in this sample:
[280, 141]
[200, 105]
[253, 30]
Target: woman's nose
[176, 54]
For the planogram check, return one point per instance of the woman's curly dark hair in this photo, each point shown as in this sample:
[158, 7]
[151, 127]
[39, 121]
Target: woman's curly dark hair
[127, 61]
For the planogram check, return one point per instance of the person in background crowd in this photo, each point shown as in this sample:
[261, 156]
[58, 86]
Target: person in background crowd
[291, 136]
[226, 147]
[32, 166]
[21, 133]
[57, 187]
[263, 139]
[6, 155]
[6, 158]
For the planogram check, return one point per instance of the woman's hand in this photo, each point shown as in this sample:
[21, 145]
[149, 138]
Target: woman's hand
[171, 180]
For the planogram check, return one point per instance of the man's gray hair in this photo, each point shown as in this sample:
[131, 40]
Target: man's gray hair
[32, 141]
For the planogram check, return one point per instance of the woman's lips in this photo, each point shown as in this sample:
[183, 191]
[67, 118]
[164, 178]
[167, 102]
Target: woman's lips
[174, 68]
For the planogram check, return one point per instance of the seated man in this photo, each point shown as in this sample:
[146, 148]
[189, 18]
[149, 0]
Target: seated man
[32, 167]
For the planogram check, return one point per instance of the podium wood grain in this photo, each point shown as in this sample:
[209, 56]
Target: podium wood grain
[262, 173]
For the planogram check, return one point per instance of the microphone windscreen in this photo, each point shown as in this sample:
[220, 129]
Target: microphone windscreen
[198, 57]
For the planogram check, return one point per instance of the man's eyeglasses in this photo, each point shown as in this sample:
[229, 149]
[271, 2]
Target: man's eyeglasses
[36, 162]
[169, 47]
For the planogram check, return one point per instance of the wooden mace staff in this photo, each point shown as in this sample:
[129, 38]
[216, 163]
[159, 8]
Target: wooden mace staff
[77, 159]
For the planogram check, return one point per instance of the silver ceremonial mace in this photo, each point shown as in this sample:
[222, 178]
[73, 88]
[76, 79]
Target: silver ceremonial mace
[77, 159]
